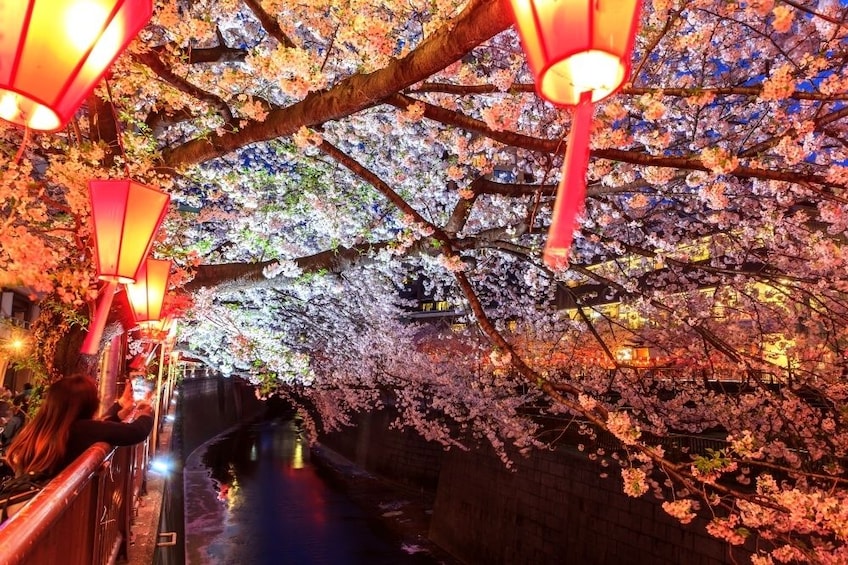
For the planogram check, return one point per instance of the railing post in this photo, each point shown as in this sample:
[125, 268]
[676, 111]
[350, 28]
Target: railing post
[157, 409]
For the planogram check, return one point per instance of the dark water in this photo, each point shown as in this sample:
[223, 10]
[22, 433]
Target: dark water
[252, 497]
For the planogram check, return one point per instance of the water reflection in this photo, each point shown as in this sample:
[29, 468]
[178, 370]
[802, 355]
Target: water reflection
[271, 507]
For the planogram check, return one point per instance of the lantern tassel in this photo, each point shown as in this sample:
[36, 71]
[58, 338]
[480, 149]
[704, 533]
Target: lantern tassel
[572, 187]
[91, 344]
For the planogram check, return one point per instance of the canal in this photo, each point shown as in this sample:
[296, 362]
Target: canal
[252, 497]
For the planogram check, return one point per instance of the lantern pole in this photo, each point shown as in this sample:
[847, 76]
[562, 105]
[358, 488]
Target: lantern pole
[91, 344]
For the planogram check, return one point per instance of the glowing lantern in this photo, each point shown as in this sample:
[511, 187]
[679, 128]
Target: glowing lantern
[126, 216]
[53, 53]
[147, 293]
[579, 52]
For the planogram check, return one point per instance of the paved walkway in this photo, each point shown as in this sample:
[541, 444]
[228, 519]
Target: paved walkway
[145, 527]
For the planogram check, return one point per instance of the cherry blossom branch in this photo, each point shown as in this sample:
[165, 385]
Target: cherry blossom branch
[479, 21]
[446, 245]
[671, 92]
[269, 23]
[382, 187]
[218, 54]
[800, 7]
[450, 117]
[155, 64]
[652, 45]
[820, 124]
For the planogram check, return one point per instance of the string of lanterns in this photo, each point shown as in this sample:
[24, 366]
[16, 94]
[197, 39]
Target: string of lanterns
[126, 216]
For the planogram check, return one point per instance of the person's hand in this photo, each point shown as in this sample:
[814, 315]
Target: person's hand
[126, 400]
[144, 409]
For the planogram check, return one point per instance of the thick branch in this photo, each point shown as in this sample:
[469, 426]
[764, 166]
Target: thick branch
[251, 274]
[269, 23]
[155, 64]
[456, 119]
[481, 20]
[749, 91]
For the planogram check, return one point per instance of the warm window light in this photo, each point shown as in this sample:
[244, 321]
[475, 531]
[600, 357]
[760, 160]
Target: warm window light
[53, 53]
[624, 354]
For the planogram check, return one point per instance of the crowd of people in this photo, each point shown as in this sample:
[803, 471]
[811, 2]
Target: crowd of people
[13, 413]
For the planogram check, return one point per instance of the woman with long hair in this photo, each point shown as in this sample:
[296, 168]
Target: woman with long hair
[64, 428]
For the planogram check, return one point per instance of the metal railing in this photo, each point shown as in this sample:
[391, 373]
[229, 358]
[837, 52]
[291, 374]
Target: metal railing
[82, 516]
[11, 320]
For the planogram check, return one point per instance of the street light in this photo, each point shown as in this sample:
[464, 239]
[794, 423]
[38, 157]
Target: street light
[53, 53]
[579, 52]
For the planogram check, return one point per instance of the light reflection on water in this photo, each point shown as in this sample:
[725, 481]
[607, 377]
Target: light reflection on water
[252, 497]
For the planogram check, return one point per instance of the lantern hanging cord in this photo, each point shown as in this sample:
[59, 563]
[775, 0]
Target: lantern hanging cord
[24, 141]
[118, 129]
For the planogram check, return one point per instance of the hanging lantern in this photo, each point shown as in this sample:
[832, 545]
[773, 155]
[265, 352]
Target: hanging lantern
[577, 46]
[158, 330]
[126, 215]
[53, 53]
[579, 52]
[147, 293]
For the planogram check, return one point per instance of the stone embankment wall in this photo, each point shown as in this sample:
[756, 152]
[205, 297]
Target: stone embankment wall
[206, 407]
[552, 508]
[401, 456]
[212, 405]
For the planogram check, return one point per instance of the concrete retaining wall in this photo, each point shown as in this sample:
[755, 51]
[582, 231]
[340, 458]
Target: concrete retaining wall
[211, 405]
[556, 508]
[401, 456]
[553, 508]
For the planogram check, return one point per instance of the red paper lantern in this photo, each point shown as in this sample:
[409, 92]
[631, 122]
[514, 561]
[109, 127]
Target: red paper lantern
[126, 215]
[579, 52]
[577, 46]
[53, 53]
[147, 293]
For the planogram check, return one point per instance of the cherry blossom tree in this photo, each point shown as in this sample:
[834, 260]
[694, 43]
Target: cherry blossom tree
[326, 158]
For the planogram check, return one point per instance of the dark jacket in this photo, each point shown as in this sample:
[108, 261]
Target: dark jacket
[13, 426]
[85, 433]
